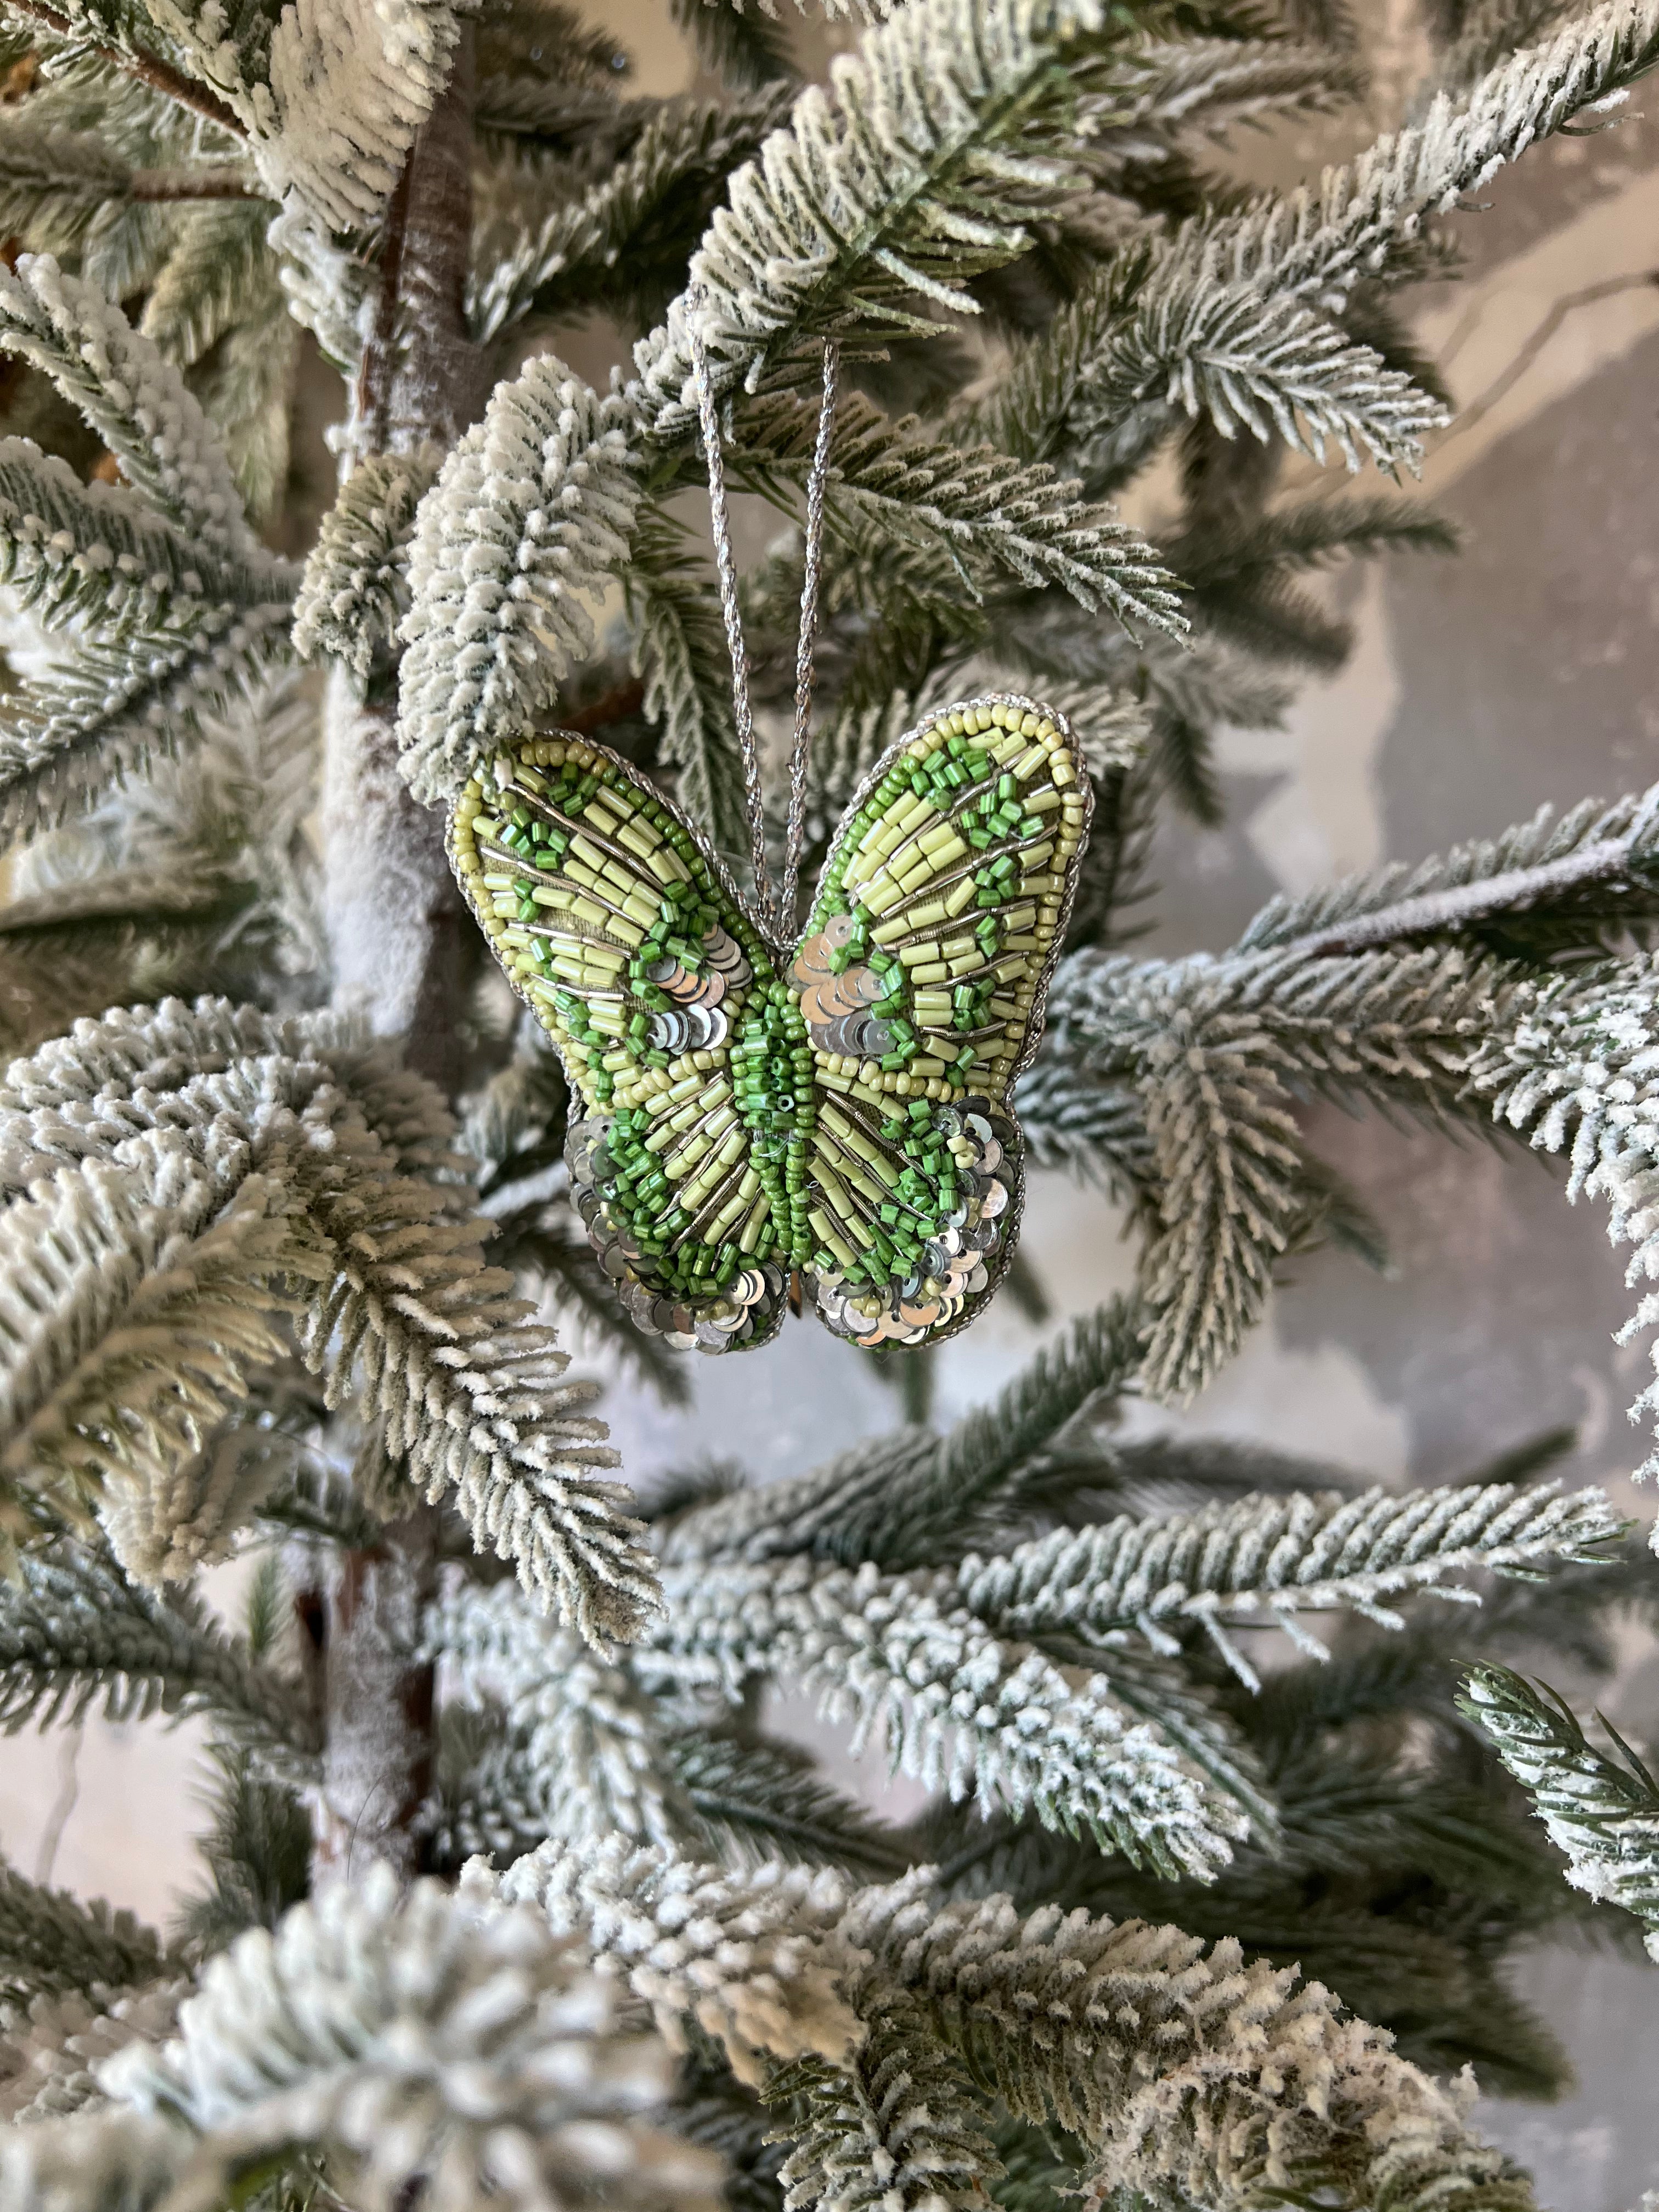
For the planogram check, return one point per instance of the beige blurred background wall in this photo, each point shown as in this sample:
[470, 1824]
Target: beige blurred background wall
[1522, 672]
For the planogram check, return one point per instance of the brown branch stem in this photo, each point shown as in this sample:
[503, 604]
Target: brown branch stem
[613, 706]
[166, 184]
[149, 69]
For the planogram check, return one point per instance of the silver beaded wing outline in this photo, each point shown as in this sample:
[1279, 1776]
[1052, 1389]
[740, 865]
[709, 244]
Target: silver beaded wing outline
[838, 1114]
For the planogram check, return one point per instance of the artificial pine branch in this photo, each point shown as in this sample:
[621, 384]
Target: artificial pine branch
[149, 68]
[1601, 1807]
[523, 1466]
[1175, 2067]
[548, 447]
[1273, 1559]
[77, 1635]
[49, 1941]
[950, 1702]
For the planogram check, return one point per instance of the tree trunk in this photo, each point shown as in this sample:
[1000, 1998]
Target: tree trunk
[378, 1700]
[401, 947]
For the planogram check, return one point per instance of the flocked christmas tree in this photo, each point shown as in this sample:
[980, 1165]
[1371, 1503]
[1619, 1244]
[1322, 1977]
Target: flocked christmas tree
[510, 1896]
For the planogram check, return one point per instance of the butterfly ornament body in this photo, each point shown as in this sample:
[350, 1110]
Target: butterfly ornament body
[836, 1112]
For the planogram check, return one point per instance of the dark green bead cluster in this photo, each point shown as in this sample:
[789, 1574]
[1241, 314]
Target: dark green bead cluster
[996, 883]
[587, 1043]
[771, 1061]
[970, 1004]
[569, 791]
[996, 814]
[639, 1192]
[941, 776]
[544, 843]
[526, 834]
[925, 1194]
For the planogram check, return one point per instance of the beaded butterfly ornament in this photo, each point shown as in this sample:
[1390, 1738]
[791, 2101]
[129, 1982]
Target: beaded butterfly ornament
[835, 1112]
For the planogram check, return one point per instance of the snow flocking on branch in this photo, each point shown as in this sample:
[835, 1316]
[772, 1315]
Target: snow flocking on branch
[1600, 1807]
[754, 1959]
[171, 608]
[469, 1390]
[354, 591]
[135, 399]
[331, 93]
[947, 1699]
[438, 2036]
[1264, 1560]
[533, 510]
[594, 1756]
[351, 82]
[1198, 2072]
[892, 183]
[1231, 314]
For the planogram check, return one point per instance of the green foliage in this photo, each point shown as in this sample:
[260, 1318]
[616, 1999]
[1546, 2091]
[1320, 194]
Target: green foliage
[744, 45]
[50, 1942]
[54, 182]
[917, 173]
[1600, 1807]
[354, 591]
[763, 1796]
[77, 1635]
[258, 1850]
[1273, 1558]
[897, 2127]
[909, 1521]
[225, 1200]
[563, 1268]
[974, 505]
[487, 565]
[680, 651]
[626, 241]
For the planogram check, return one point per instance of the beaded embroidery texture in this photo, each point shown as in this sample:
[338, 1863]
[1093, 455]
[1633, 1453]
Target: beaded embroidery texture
[838, 1111]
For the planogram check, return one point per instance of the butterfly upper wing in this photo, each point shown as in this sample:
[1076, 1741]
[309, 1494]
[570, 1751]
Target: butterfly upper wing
[922, 976]
[625, 937]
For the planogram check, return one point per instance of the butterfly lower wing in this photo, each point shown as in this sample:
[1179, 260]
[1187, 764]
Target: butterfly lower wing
[922, 976]
[623, 934]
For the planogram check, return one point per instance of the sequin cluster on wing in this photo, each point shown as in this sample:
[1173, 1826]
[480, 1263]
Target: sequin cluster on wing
[749, 1304]
[970, 1155]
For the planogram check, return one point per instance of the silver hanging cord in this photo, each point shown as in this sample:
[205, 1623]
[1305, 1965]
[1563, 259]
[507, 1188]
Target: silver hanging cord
[778, 912]
[728, 569]
[815, 483]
